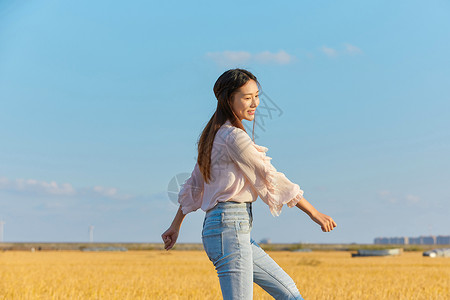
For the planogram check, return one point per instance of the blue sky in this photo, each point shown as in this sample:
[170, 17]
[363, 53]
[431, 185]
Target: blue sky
[102, 104]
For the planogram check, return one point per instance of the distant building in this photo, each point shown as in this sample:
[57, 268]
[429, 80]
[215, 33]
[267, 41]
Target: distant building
[414, 240]
[421, 240]
[381, 240]
[399, 240]
[391, 240]
[443, 240]
[428, 240]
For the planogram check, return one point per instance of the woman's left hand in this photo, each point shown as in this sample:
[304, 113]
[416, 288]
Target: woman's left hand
[170, 237]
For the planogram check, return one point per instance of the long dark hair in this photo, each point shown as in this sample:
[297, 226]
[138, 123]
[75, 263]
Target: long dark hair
[224, 89]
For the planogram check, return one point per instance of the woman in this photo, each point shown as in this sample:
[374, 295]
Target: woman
[230, 173]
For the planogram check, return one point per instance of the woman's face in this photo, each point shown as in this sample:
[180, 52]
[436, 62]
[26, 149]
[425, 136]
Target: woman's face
[245, 101]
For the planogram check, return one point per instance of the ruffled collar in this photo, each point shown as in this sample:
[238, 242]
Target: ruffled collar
[227, 123]
[258, 147]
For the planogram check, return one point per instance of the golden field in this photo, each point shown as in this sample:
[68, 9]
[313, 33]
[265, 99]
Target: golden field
[190, 275]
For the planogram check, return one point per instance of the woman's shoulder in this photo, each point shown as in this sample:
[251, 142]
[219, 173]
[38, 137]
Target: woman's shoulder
[237, 140]
[236, 137]
[232, 134]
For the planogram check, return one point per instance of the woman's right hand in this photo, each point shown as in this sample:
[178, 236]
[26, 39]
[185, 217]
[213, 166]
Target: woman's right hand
[170, 237]
[326, 222]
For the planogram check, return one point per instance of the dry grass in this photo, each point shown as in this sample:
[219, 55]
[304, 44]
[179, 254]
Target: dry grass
[190, 275]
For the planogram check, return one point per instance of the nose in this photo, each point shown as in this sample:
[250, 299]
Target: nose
[255, 102]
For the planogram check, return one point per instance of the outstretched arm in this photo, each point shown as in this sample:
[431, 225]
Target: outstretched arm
[326, 223]
[170, 235]
[190, 199]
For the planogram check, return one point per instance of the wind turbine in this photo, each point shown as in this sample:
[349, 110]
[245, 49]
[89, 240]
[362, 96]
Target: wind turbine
[1, 230]
[91, 233]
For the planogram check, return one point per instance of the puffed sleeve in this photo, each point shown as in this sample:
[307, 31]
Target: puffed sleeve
[191, 193]
[273, 187]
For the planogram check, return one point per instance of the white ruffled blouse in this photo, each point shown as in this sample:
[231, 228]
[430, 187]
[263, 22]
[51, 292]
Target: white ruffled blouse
[240, 171]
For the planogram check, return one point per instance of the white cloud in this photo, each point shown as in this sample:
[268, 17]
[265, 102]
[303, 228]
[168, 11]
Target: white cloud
[109, 192]
[383, 193]
[3, 181]
[409, 198]
[412, 198]
[330, 52]
[105, 191]
[52, 188]
[37, 187]
[282, 57]
[350, 49]
[387, 195]
[239, 57]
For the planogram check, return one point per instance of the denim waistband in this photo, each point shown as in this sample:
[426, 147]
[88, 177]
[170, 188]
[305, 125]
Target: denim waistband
[230, 207]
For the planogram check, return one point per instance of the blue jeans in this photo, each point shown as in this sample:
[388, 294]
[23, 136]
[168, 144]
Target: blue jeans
[238, 259]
